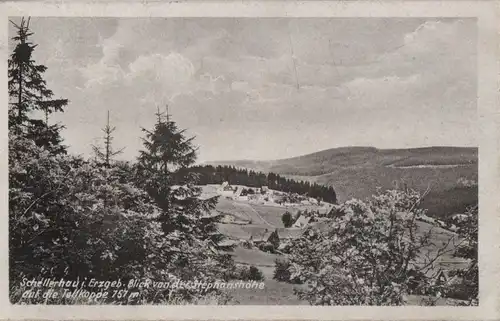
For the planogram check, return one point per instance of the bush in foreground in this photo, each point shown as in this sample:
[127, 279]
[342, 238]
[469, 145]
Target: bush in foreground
[369, 255]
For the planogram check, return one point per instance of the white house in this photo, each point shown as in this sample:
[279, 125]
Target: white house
[302, 221]
[225, 190]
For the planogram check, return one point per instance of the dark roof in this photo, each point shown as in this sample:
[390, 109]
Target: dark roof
[290, 233]
[262, 235]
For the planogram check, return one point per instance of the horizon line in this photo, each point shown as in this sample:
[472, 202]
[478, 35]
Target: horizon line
[342, 147]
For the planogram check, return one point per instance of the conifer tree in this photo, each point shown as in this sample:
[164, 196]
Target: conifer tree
[28, 93]
[105, 154]
[163, 172]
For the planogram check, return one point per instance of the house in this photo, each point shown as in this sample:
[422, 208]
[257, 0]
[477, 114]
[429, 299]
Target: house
[302, 221]
[290, 233]
[325, 210]
[225, 190]
[426, 219]
[228, 243]
[440, 276]
[266, 235]
[335, 211]
[322, 224]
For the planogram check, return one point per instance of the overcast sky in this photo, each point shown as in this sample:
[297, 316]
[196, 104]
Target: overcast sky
[265, 88]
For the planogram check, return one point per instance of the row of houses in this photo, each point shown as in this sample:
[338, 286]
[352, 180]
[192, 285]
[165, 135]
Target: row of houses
[243, 193]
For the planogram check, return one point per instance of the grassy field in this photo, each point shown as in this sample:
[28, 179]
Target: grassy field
[274, 292]
[272, 214]
[240, 210]
[254, 257]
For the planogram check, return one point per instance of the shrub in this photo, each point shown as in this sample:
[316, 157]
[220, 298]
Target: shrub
[468, 287]
[368, 254]
[247, 273]
[267, 247]
[285, 246]
[287, 219]
[255, 274]
[282, 270]
[71, 218]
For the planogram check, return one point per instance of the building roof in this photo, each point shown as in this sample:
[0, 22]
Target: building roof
[262, 235]
[228, 242]
[302, 221]
[290, 233]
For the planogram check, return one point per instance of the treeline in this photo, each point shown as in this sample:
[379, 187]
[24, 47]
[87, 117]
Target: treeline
[238, 176]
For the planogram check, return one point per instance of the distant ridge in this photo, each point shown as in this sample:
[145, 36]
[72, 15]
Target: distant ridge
[436, 153]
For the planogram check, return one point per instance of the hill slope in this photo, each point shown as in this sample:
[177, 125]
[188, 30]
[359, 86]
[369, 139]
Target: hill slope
[358, 171]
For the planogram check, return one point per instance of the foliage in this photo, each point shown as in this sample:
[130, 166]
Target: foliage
[468, 289]
[166, 155]
[246, 273]
[59, 226]
[105, 154]
[72, 218]
[282, 272]
[368, 256]
[267, 247]
[254, 274]
[28, 93]
[287, 219]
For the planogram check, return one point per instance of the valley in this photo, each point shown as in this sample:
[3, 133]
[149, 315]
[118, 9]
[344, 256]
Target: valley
[251, 221]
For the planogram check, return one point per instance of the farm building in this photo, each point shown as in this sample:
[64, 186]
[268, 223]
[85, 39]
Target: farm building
[265, 236]
[302, 221]
[228, 243]
[226, 190]
[290, 233]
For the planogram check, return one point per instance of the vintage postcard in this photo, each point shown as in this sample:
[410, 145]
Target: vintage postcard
[280, 160]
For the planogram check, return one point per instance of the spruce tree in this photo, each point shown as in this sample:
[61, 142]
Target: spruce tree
[28, 93]
[186, 219]
[104, 157]
[105, 154]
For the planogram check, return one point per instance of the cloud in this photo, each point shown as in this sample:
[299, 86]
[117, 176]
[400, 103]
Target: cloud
[106, 70]
[166, 75]
[352, 79]
[160, 76]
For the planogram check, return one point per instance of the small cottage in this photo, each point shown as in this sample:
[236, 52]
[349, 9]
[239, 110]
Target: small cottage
[301, 222]
[266, 236]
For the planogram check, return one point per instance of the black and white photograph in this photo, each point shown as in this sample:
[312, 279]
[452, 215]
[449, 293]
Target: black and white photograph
[271, 161]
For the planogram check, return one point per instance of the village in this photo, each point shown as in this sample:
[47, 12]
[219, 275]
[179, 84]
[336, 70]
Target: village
[252, 217]
[252, 221]
[255, 215]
